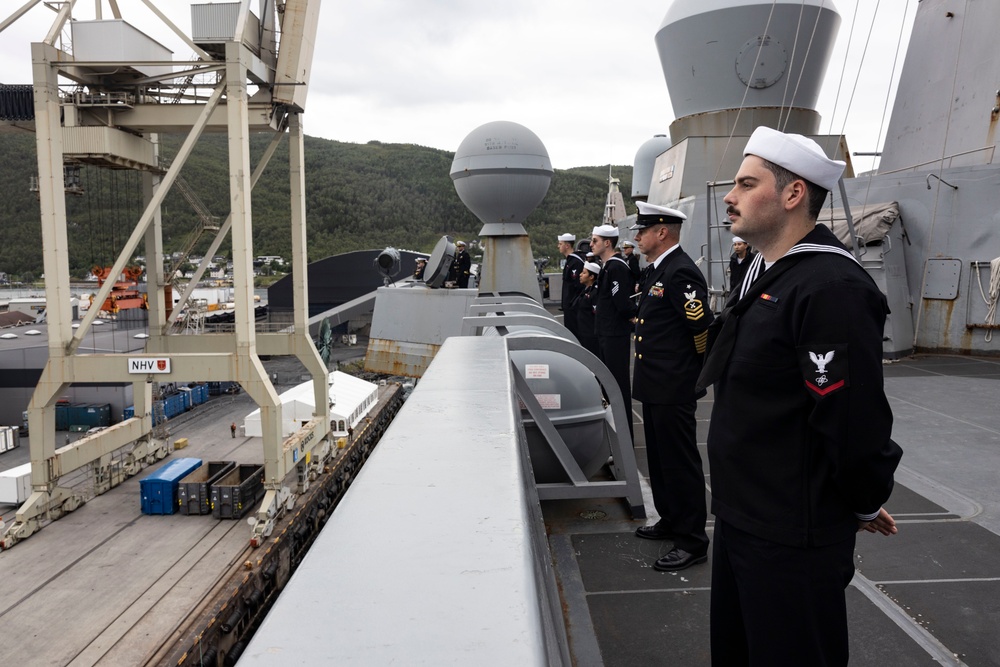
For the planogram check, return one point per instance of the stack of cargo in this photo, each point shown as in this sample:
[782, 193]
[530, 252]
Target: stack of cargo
[194, 491]
[15, 485]
[158, 491]
[238, 492]
[219, 388]
[10, 437]
[90, 415]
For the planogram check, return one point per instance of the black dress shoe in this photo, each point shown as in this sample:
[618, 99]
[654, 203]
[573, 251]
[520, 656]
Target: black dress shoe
[678, 559]
[654, 532]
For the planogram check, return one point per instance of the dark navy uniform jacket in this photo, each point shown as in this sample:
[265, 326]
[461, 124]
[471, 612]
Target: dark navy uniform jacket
[571, 285]
[584, 308]
[671, 332]
[799, 441]
[614, 309]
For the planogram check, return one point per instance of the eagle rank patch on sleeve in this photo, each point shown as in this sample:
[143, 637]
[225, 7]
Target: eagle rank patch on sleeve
[824, 368]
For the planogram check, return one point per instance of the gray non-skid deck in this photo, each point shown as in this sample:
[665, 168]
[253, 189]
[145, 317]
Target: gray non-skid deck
[928, 595]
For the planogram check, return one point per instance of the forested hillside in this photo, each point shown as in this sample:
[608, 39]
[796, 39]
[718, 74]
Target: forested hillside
[358, 196]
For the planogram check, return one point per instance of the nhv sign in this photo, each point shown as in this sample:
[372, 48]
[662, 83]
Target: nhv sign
[146, 365]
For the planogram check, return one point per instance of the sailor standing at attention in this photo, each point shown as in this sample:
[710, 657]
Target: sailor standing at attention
[799, 447]
[571, 286]
[671, 331]
[614, 311]
[462, 265]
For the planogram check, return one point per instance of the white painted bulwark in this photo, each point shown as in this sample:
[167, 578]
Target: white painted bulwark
[428, 559]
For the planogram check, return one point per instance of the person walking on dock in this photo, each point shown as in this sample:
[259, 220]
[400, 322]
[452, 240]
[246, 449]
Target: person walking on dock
[232, 429]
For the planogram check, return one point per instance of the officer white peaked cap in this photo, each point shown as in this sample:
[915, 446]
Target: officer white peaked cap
[627, 244]
[460, 244]
[800, 155]
[568, 238]
[651, 214]
[593, 267]
[737, 239]
[606, 231]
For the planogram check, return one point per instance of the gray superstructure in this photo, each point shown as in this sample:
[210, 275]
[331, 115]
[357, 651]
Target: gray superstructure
[937, 166]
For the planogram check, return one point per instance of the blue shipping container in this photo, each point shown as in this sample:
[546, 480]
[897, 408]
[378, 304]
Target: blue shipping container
[90, 414]
[199, 394]
[128, 412]
[62, 416]
[158, 491]
[187, 400]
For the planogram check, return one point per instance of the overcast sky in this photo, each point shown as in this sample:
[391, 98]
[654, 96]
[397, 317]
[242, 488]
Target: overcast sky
[584, 75]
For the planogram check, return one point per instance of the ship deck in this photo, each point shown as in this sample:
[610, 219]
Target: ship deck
[107, 585]
[928, 595]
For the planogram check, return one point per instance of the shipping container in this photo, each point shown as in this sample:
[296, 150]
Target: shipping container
[200, 393]
[15, 485]
[226, 387]
[238, 491]
[62, 416]
[158, 491]
[90, 414]
[194, 491]
[185, 394]
[173, 406]
[10, 437]
[128, 412]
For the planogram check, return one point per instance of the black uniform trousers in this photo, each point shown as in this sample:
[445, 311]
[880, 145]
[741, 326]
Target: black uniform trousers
[616, 352]
[773, 604]
[679, 487]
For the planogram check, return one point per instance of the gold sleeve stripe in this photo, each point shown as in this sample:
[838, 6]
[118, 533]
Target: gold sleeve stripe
[701, 342]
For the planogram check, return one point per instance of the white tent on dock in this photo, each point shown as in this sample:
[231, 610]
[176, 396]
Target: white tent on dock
[351, 398]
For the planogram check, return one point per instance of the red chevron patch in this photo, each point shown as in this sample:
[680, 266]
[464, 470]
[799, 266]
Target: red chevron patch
[823, 392]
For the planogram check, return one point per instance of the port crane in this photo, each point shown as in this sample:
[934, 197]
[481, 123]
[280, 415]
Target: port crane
[104, 97]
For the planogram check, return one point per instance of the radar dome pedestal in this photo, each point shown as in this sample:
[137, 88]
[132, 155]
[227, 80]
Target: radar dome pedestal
[502, 172]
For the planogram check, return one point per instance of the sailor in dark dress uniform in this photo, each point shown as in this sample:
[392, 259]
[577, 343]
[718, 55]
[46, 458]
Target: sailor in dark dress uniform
[799, 446]
[671, 332]
[571, 286]
[615, 310]
[630, 256]
[462, 265]
[584, 308]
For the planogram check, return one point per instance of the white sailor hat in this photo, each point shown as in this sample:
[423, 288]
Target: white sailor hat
[606, 231]
[593, 267]
[651, 214]
[459, 244]
[737, 239]
[422, 259]
[800, 155]
[568, 238]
